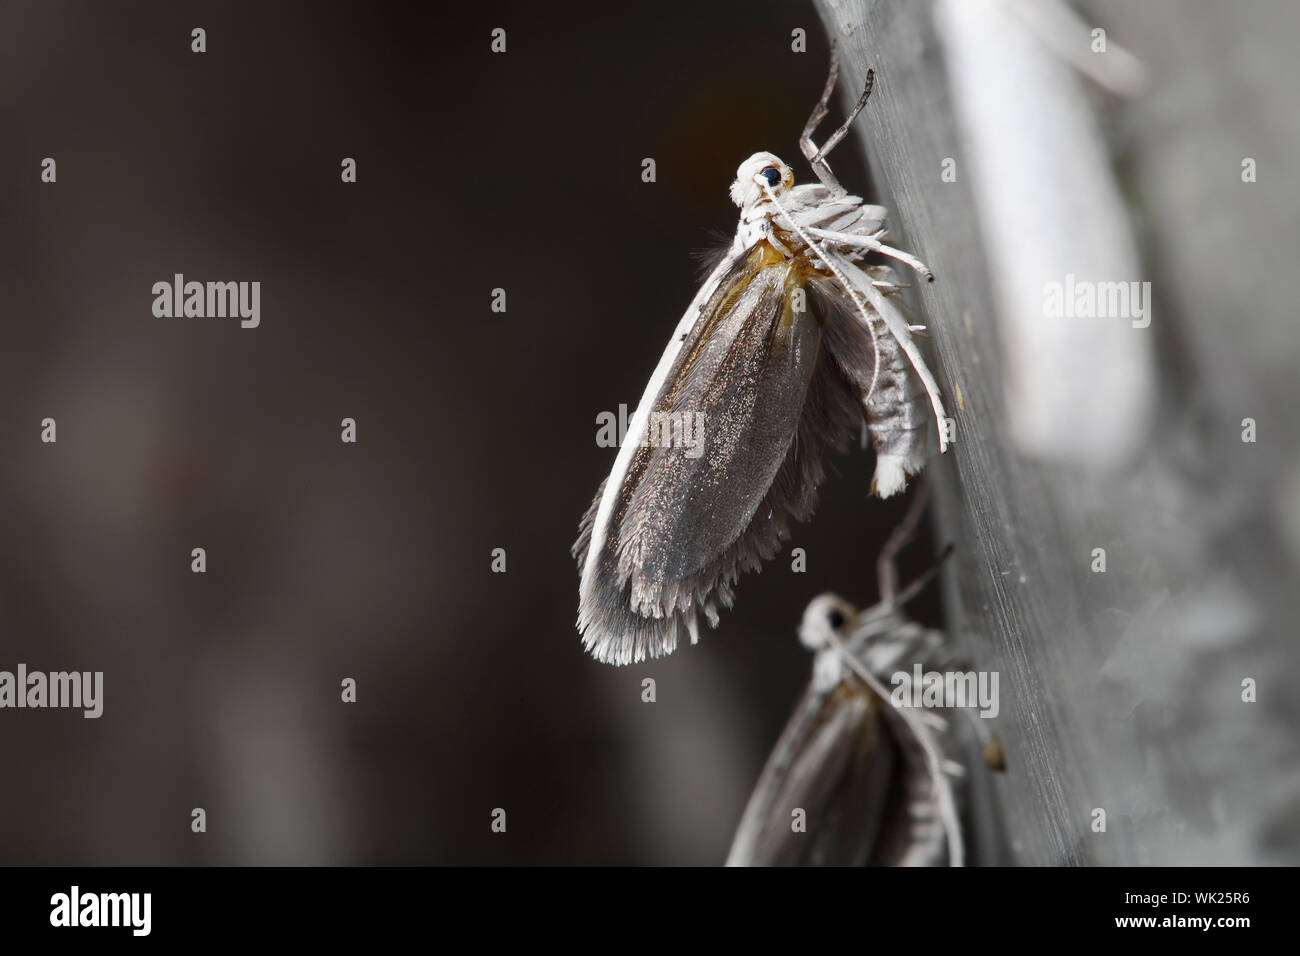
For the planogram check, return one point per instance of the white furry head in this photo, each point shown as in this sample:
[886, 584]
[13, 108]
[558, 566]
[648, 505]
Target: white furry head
[746, 191]
[826, 612]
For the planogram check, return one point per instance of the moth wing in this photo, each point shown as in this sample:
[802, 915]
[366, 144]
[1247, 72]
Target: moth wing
[913, 833]
[752, 844]
[746, 379]
[897, 410]
[687, 517]
[961, 742]
[835, 763]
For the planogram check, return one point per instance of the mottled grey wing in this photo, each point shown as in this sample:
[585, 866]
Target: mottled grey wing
[688, 521]
[912, 833]
[833, 761]
[748, 379]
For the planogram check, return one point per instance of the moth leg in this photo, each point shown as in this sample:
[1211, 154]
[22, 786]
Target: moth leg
[873, 243]
[901, 333]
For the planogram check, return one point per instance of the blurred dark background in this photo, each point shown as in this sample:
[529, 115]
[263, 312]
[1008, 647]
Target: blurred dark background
[476, 429]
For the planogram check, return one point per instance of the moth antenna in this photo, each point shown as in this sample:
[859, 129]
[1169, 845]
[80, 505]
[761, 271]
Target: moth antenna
[848, 286]
[819, 113]
[815, 156]
[840, 133]
[823, 105]
[919, 585]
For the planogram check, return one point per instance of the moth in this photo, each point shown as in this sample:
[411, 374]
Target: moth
[876, 784]
[790, 346]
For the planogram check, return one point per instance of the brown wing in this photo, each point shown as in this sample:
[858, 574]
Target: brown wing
[688, 521]
[835, 762]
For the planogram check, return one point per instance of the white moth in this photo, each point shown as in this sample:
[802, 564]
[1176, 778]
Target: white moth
[875, 784]
[863, 775]
[788, 348]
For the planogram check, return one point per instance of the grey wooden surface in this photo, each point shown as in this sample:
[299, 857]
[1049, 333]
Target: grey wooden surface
[1122, 690]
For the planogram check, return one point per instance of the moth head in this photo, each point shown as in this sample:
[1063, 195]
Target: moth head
[754, 173]
[826, 614]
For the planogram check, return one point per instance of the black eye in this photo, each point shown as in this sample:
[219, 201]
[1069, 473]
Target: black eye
[772, 175]
[836, 620]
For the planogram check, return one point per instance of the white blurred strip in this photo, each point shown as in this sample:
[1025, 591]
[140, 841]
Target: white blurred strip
[1079, 391]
